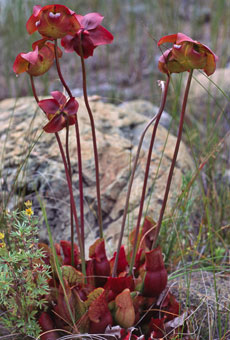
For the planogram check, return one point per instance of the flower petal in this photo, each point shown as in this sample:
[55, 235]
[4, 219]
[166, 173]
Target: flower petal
[31, 57]
[49, 106]
[211, 64]
[91, 20]
[87, 45]
[40, 43]
[20, 64]
[59, 97]
[31, 24]
[36, 10]
[101, 36]
[71, 106]
[181, 37]
[72, 119]
[162, 64]
[167, 39]
[56, 124]
[67, 43]
[80, 19]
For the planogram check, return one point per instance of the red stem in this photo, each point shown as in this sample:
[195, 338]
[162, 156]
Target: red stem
[138, 225]
[169, 180]
[33, 88]
[80, 183]
[72, 202]
[84, 85]
[59, 69]
[71, 209]
[132, 176]
[69, 163]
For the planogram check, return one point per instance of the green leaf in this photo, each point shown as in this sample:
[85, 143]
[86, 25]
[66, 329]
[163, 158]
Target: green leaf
[72, 275]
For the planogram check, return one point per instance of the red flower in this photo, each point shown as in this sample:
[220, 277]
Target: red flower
[90, 35]
[38, 61]
[52, 21]
[185, 55]
[156, 275]
[59, 111]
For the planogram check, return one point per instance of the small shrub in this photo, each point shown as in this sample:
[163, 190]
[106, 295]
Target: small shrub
[23, 273]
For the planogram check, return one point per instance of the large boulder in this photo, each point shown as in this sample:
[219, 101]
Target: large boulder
[32, 164]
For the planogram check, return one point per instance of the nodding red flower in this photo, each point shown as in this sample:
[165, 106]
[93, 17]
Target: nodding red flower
[185, 55]
[60, 112]
[53, 21]
[38, 61]
[90, 35]
[156, 275]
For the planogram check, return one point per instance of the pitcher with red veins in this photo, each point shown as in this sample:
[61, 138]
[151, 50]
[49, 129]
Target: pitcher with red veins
[59, 111]
[38, 61]
[185, 55]
[53, 21]
[89, 36]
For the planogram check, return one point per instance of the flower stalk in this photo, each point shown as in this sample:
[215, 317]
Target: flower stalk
[69, 163]
[72, 203]
[84, 86]
[156, 117]
[169, 180]
[59, 70]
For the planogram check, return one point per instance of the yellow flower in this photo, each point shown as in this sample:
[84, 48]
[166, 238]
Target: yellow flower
[29, 212]
[28, 204]
[2, 235]
[2, 245]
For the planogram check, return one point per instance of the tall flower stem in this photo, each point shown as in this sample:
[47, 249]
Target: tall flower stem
[69, 186]
[80, 184]
[71, 209]
[169, 180]
[84, 85]
[59, 69]
[69, 163]
[138, 225]
[164, 95]
[33, 88]
[72, 203]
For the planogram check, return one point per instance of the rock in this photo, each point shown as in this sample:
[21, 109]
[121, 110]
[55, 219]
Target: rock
[148, 109]
[42, 173]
